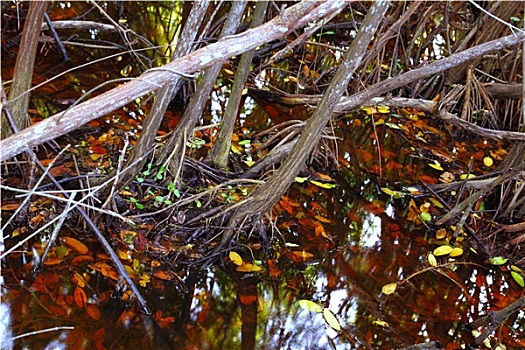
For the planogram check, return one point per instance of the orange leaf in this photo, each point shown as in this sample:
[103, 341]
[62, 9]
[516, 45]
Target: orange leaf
[323, 219]
[162, 275]
[247, 299]
[98, 150]
[303, 255]
[80, 297]
[75, 244]
[80, 259]
[93, 311]
[10, 206]
[49, 262]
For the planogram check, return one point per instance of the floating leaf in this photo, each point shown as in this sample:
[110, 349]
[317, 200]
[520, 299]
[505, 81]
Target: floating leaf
[457, 251]
[323, 219]
[432, 260]
[381, 323]
[436, 165]
[395, 194]
[518, 278]
[488, 161]
[75, 244]
[443, 250]
[235, 258]
[249, 268]
[498, 260]
[80, 297]
[466, 176]
[383, 109]
[369, 110]
[436, 203]
[11, 206]
[300, 179]
[310, 305]
[392, 126]
[441, 233]
[332, 321]
[389, 288]
[323, 185]
[425, 216]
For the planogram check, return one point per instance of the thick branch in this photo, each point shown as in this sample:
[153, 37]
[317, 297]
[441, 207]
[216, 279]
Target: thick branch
[67, 121]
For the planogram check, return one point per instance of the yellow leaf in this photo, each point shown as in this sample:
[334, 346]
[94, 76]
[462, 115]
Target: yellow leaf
[247, 267]
[249, 162]
[457, 251]
[443, 250]
[369, 110]
[332, 321]
[389, 288]
[380, 122]
[465, 176]
[300, 180]
[322, 184]
[236, 149]
[436, 166]
[488, 161]
[381, 323]
[383, 109]
[235, 258]
[432, 260]
[310, 305]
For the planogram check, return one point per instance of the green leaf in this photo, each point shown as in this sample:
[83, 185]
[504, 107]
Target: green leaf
[332, 321]
[498, 260]
[310, 305]
[244, 142]
[300, 180]
[139, 205]
[518, 278]
[176, 193]
[425, 216]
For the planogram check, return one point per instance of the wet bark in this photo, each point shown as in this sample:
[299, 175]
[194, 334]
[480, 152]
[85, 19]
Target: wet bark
[221, 148]
[18, 98]
[264, 197]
